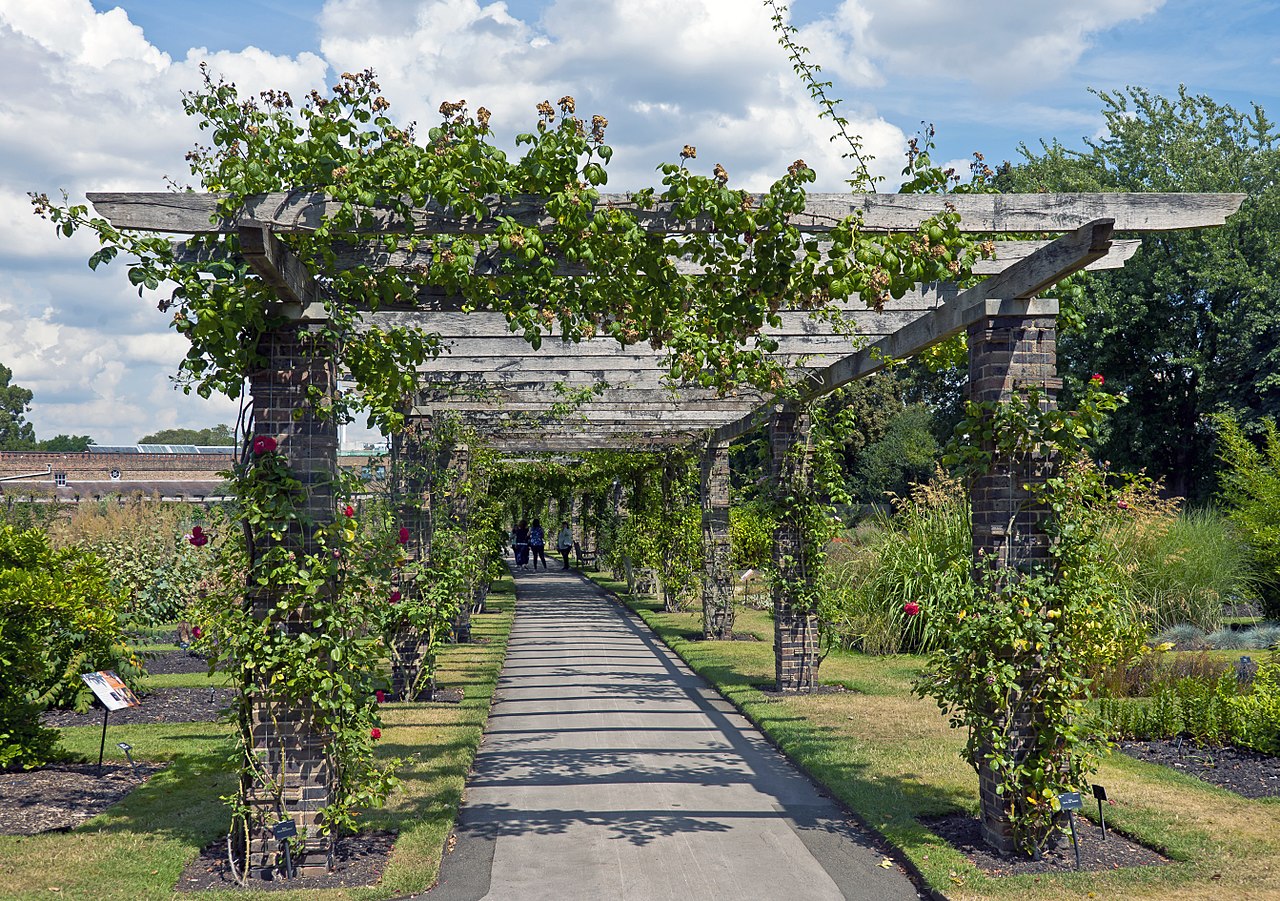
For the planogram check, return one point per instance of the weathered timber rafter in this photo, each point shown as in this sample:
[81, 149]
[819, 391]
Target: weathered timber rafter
[303, 211]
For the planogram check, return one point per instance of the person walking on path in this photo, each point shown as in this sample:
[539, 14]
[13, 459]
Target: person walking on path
[520, 535]
[564, 543]
[537, 544]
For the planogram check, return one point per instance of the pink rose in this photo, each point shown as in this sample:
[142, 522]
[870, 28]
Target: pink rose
[375, 733]
[197, 632]
[1097, 379]
[264, 444]
[910, 608]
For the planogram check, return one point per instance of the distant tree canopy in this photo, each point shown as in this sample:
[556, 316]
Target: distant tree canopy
[1191, 325]
[214, 436]
[15, 432]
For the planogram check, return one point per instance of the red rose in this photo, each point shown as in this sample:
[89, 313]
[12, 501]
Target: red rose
[910, 608]
[375, 733]
[380, 695]
[404, 535]
[348, 510]
[1122, 504]
[264, 444]
[197, 632]
[197, 537]
[1097, 379]
[395, 597]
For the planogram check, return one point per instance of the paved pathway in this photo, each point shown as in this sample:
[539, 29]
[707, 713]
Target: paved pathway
[609, 771]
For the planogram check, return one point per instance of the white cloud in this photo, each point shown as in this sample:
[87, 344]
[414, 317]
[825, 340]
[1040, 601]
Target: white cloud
[1009, 47]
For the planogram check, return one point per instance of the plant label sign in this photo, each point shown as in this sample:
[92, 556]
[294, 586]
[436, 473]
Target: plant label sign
[110, 690]
[1071, 801]
[284, 829]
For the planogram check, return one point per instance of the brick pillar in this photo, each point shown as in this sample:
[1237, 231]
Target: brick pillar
[1006, 355]
[618, 497]
[717, 580]
[291, 747]
[795, 632]
[411, 483]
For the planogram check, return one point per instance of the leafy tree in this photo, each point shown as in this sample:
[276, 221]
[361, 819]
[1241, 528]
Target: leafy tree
[67, 444]
[15, 401]
[1251, 490]
[214, 436]
[1191, 325]
[906, 454]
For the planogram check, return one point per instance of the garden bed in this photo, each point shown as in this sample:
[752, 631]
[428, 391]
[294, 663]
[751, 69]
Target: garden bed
[1248, 773]
[964, 833]
[359, 860]
[163, 705]
[171, 662]
[59, 797]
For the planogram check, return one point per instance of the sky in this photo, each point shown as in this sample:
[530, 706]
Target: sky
[91, 101]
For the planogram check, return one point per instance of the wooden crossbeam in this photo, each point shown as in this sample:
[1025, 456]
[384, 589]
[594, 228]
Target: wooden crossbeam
[1008, 293]
[303, 211]
[298, 291]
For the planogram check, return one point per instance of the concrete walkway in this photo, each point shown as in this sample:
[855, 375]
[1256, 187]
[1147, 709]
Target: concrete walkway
[610, 771]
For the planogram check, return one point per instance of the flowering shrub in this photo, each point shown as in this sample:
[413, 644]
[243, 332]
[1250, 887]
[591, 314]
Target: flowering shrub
[58, 618]
[1022, 655]
[325, 664]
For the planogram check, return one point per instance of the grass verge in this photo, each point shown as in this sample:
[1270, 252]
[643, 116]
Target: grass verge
[892, 758]
[138, 848]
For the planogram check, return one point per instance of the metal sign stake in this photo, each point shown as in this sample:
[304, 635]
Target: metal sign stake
[102, 746]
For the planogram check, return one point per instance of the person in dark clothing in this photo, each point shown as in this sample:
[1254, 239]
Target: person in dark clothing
[537, 544]
[521, 536]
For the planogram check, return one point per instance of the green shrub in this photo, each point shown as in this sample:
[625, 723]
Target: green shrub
[1251, 490]
[58, 619]
[751, 535]
[1209, 711]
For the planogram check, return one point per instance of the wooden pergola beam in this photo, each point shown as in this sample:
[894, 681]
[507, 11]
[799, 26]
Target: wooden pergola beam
[303, 211]
[1005, 294]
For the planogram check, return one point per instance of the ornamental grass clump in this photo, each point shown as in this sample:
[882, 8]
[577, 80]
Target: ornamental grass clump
[916, 558]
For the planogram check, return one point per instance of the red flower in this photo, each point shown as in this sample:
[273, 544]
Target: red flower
[395, 597]
[1122, 504]
[196, 632]
[198, 538]
[910, 608]
[264, 444]
[348, 510]
[375, 733]
[404, 535]
[380, 695]
[1097, 379]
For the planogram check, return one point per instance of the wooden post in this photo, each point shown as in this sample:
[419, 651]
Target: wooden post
[288, 743]
[1008, 353]
[717, 581]
[795, 630]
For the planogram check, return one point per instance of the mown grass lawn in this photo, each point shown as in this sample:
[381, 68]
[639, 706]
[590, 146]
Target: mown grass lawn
[138, 848]
[891, 757]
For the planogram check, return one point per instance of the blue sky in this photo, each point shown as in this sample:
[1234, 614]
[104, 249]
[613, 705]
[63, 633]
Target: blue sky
[92, 88]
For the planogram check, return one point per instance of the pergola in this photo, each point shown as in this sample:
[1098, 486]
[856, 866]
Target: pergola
[514, 395]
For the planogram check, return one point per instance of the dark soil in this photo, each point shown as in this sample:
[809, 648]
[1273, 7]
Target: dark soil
[59, 797]
[169, 662]
[964, 833]
[737, 636]
[822, 688]
[1249, 774]
[164, 705]
[358, 860]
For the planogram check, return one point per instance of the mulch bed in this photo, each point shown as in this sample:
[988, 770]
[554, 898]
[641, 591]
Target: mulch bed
[964, 833]
[59, 797]
[164, 705]
[171, 662]
[358, 860]
[1249, 774]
